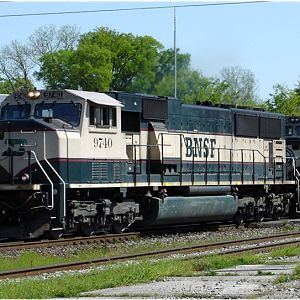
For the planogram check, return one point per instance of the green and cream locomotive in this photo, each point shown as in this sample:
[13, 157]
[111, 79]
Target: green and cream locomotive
[85, 162]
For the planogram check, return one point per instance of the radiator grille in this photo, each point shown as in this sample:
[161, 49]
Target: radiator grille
[99, 171]
[117, 172]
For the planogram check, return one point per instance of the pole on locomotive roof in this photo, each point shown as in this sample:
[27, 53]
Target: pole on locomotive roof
[175, 56]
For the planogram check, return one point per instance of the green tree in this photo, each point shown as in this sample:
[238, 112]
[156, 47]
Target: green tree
[166, 66]
[103, 60]
[88, 67]
[56, 68]
[284, 100]
[92, 67]
[11, 86]
[192, 85]
[132, 58]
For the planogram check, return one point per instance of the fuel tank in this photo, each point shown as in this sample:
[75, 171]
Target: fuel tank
[185, 210]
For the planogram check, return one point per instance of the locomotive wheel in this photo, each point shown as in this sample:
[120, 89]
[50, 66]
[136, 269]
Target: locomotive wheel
[277, 215]
[259, 216]
[239, 219]
[118, 227]
[54, 234]
[86, 229]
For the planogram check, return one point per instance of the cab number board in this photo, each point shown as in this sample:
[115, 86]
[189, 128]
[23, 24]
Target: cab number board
[53, 94]
[102, 142]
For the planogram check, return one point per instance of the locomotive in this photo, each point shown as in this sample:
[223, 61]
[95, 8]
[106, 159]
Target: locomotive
[86, 162]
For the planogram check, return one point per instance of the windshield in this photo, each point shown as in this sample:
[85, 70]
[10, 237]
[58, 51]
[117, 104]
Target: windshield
[68, 112]
[14, 112]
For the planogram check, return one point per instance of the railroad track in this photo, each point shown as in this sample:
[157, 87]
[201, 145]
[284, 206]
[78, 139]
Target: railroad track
[68, 241]
[96, 239]
[260, 244]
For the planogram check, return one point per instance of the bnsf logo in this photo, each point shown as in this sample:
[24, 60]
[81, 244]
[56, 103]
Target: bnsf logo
[201, 147]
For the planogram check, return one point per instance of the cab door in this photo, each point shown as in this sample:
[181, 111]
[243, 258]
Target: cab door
[134, 153]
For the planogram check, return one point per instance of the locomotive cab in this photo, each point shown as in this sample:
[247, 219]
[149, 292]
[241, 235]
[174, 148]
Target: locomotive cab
[58, 148]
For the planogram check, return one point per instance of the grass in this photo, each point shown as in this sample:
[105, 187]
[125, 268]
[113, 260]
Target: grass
[283, 278]
[27, 260]
[73, 285]
[30, 258]
[125, 274]
[287, 251]
[120, 274]
[117, 275]
[33, 259]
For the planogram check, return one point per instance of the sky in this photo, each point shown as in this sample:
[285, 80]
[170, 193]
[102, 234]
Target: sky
[261, 37]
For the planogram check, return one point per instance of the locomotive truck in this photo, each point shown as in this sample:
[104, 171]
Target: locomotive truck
[86, 162]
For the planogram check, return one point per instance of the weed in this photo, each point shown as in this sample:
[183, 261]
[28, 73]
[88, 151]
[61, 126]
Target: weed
[220, 261]
[264, 273]
[281, 278]
[287, 227]
[210, 273]
[296, 273]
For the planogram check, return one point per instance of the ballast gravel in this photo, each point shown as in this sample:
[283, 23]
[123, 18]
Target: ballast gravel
[168, 240]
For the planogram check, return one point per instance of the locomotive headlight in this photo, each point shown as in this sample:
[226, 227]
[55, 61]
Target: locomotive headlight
[33, 94]
[36, 93]
[25, 177]
[30, 94]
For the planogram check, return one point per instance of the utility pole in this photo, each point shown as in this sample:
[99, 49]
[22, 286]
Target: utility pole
[175, 55]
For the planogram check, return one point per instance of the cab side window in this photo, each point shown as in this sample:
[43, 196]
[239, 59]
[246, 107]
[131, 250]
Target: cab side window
[103, 116]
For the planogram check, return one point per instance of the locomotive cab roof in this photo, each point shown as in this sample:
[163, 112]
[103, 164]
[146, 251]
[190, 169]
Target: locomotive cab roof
[98, 98]
[60, 107]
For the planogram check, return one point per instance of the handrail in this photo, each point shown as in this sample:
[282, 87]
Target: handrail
[254, 152]
[297, 177]
[242, 151]
[56, 173]
[45, 173]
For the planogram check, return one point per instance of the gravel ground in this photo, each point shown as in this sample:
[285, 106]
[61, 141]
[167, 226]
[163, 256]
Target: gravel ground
[239, 282]
[216, 287]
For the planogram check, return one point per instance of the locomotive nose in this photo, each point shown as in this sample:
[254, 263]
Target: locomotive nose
[17, 140]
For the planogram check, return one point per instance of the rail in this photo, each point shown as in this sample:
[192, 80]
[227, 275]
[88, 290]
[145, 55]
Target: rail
[67, 241]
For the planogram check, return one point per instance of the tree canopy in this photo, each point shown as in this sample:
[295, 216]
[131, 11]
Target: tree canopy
[284, 100]
[105, 59]
[108, 60]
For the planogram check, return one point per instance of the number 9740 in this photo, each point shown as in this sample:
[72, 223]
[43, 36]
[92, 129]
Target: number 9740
[102, 142]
